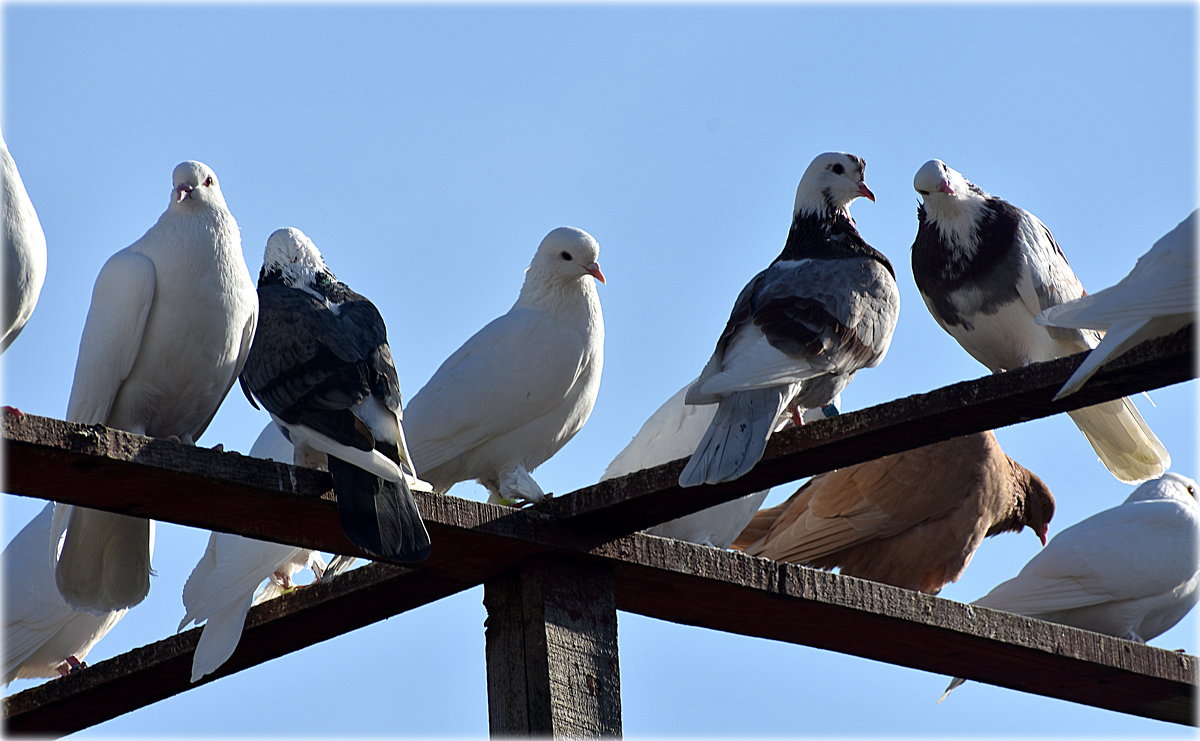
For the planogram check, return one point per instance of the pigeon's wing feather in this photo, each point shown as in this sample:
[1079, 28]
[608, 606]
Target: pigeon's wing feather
[1113, 555]
[462, 406]
[243, 352]
[1047, 279]
[112, 335]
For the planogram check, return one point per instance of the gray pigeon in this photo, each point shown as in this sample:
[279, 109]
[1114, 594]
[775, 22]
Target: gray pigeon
[986, 269]
[169, 328]
[24, 252]
[824, 309]
[322, 366]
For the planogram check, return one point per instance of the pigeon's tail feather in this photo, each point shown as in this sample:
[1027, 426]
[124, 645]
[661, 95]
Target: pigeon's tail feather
[220, 636]
[954, 684]
[1126, 445]
[104, 564]
[379, 516]
[736, 438]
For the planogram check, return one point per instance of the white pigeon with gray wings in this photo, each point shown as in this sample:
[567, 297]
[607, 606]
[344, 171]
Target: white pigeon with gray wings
[521, 387]
[322, 366]
[170, 325]
[24, 251]
[986, 269]
[1157, 298]
[1130, 571]
[823, 310]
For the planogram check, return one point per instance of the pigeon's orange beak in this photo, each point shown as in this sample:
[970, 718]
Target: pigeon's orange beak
[1041, 533]
[944, 187]
[865, 191]
[593, 270]
[182, 191]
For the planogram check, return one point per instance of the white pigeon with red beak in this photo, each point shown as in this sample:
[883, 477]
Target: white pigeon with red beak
[521, 387]
[1157, 298]
[24, 252]
[824, 309]
[986, 269]
[171, 322]
[1129, 571]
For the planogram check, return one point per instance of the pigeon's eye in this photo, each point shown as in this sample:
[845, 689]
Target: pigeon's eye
[566, 255]
[837, 168]
[923, 192]
[1192, 490]
[208, 182]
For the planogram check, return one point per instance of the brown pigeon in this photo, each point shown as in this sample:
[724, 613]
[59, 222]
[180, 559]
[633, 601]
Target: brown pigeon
[912, 519]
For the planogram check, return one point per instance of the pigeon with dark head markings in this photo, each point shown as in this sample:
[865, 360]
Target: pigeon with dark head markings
[985, 269]
[169, 328]
[521, 387]
[1129, 571]
[24, 251]
[322, 367]
[912, 519]
[799, 331]
[1157, 298]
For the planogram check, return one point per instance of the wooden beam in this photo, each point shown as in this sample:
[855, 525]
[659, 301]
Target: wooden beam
[646, 498]
[664, 579]
[552, 663]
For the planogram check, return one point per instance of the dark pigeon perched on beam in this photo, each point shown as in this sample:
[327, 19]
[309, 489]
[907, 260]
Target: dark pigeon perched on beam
[799, 330]
[986, 269]
[322, 367]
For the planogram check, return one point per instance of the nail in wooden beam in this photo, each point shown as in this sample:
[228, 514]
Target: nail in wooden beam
[552, 667]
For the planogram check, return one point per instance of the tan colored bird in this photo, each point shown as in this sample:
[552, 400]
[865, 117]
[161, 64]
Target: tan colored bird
[912, 519]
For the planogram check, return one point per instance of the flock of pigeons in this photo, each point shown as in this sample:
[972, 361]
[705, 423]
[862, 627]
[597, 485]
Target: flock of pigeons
[175, 321]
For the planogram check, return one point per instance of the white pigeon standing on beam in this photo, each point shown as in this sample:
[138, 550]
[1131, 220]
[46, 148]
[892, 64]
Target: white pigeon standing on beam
[220, 590]
[1157, 298]
[322, 367]
[985, 269]
[521, 387]
[1130, 571]
[673, 432]
[824, 309]
[24, 251]
[43, 635]
[169, 328]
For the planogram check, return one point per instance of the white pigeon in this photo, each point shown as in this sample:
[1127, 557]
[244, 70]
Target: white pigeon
[521, 387]
[43, 635]
[322, 366]
[800, 330]
[1157, 298]
[986, 269]
[169, 328]
[673, 432]
[24, 251]
[1129, 571]
[221, 588]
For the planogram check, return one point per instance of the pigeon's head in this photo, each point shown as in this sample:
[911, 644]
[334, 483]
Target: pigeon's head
[292, 257]
[195, 184]
[937, 182]
[1033, 508]
[831, 182]
[567, 254]
[1168, 486]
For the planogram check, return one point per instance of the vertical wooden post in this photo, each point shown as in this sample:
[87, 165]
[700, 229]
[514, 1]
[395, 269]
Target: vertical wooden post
[552, 666]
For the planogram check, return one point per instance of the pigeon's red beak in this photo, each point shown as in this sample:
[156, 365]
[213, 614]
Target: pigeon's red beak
[594, 270]
[1041, 533]
[944, 187]
[865, 191]
[182, 191]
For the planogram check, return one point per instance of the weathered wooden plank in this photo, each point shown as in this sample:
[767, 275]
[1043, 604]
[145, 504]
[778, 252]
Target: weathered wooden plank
[552, 662]
[645, 498]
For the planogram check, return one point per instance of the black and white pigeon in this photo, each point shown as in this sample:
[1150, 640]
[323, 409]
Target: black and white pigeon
[1157, 298]
[985, 269]
[799, 331]
[24, 252]
[169, 327]
[322, 367]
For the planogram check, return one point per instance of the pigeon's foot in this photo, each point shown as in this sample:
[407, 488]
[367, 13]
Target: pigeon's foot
[70, 666]
[797, 416]
[219, 447]
[516, 484]
[14, 412]
[282, 579]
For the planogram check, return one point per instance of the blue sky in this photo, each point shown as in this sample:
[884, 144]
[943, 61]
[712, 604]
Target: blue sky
[426, 149]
